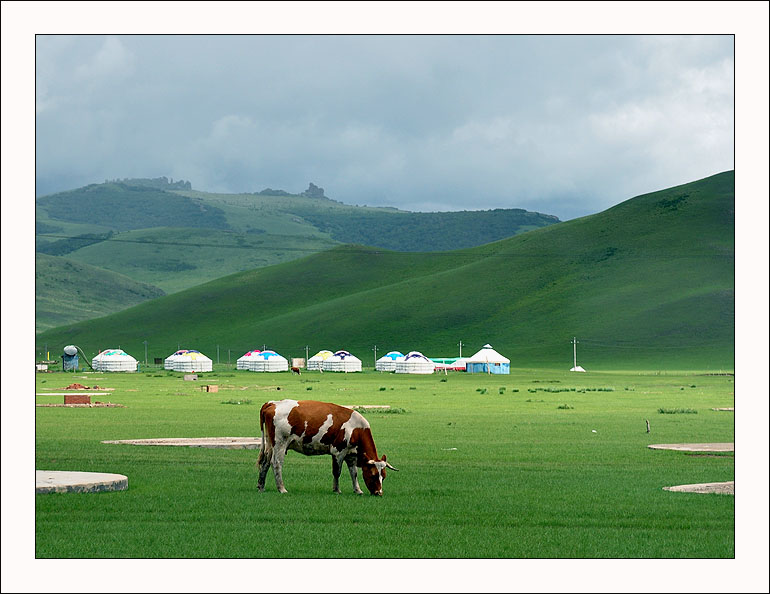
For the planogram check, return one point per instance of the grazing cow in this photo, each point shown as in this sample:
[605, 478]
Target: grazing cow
[314, 428]
[296, 370]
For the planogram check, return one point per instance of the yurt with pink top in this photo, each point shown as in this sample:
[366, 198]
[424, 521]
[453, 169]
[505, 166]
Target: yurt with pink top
[243, 362]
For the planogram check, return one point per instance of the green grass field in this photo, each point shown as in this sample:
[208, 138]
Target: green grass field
[536, 464]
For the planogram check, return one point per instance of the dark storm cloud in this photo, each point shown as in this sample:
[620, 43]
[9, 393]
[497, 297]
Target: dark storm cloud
[566, 125]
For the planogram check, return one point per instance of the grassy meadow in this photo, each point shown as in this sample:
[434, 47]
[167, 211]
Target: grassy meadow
[535, 464]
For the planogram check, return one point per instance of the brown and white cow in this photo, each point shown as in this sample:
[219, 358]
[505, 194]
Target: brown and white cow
[313, 428]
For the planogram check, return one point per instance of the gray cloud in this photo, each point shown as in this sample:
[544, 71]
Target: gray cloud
[566, 125]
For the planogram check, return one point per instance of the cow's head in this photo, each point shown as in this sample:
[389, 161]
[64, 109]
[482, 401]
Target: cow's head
[374, 474]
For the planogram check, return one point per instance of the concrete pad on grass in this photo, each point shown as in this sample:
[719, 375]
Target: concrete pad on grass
[65, 481]
[694, 447]
[230, 443]
[726, 488]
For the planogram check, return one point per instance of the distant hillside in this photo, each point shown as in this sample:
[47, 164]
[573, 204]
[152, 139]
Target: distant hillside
[164, 233]
[647, 284]
[67, 291]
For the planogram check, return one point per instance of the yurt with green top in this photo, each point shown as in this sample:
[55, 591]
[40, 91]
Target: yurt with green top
[114, 360]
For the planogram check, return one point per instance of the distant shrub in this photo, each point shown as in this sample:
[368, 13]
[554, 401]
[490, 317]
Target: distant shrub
[677, 411]
[382, 388]
[244, 401]
[565, 407]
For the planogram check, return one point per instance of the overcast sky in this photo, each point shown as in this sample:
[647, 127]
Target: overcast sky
[567, 125]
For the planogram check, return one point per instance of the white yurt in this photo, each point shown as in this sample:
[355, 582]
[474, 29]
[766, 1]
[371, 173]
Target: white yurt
[488, 360]
[342, 361]
[316, 361]
[113, 360]
[415, 362]
[388, 361]
[243, 362]
[268, 361]
[188, 360]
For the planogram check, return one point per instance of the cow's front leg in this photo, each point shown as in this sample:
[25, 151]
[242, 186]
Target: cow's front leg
[336, 471]
[279, 452]
[351, 462]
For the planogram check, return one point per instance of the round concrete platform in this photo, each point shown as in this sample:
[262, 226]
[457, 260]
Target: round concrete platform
[694, 447]
[65, 481]
[230, 443]
[726, 488]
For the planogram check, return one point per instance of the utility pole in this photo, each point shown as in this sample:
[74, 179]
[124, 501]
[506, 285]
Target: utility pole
[145, 352]
[228, 356]
[217, 354]
[574, 352]
[307, 353]
[461, 348]
[375, 355]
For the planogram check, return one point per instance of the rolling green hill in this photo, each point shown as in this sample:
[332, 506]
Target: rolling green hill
[648, 284]
[67, 291]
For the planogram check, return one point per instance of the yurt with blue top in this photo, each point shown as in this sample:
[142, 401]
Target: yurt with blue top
[488, 360]
[388, 361]
[268, 361]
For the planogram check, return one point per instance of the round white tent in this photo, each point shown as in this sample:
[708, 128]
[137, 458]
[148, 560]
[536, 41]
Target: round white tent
[342, 361]
[268, 361]
[316, 361]
[488, 360]
[415, 362]
[388, 361]
[243, 362]
[188, 360]
[113, 360]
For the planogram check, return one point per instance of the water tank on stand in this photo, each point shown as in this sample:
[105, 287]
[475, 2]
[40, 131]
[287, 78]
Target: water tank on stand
[69, 358]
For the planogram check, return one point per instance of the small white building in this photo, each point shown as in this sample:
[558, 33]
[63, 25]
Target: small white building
[113, 360]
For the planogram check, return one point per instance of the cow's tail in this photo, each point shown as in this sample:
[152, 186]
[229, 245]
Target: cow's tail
[266, 446]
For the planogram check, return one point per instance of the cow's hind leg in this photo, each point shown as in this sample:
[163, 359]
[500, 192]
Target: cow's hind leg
[264, 465]
[351, 462]
[336, 471]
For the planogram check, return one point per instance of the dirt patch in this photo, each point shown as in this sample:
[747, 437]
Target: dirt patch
[732, 408]
[89, 405]
[727, 488]
[77, 386]
[230, 443]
